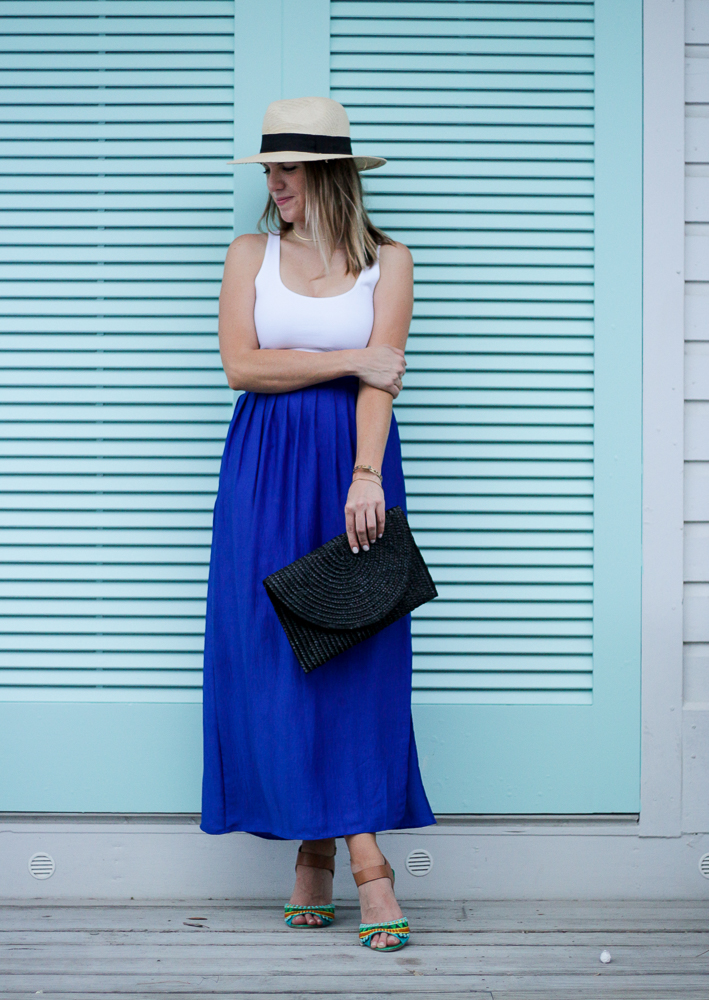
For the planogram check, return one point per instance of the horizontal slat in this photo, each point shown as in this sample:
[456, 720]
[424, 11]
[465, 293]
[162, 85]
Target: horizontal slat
[54, 592]
[696, 431]
[84, 571]
[473, 132]
[122, 642]
[114, 8]
[495, 109]
[696, 77]
[696, 491]
[696, 138]
[42, 90]
[97, 555]
[460, 202]
[95, 694]
[427, 24]
[696, 613]
[183, 679]
[372, 104]
[697, 370]
[460, 10]
[138, 44]
[426, 640]
[175, 23]
[498, 697]
[696, 552]
[431, 420]
[441, 681]
[484, 73]
[696, 23]
[153, 64]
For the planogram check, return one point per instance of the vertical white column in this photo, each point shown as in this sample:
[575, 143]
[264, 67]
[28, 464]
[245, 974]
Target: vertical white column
[663, 417]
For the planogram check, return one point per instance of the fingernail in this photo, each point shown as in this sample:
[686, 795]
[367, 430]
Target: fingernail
[355, 551]
[366, 548]
[379, 536]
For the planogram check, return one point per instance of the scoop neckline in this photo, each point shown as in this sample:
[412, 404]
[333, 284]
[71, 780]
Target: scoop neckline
[315, 298]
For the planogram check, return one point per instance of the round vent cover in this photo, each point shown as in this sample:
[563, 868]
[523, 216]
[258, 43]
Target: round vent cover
[704, 865]
[419, 863]
[41, 866]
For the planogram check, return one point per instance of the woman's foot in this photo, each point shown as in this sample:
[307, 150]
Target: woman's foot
[376, 898]
[313, 886]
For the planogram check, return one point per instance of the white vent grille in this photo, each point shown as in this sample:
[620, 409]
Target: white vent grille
[419, 863]
[41, 866]
[704, 865]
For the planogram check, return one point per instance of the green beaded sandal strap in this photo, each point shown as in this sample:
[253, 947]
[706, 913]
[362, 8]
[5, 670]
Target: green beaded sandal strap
[397, 928]
[326, 914]
[325, 911]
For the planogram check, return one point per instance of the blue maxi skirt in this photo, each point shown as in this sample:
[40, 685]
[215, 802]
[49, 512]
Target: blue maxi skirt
[290, 755]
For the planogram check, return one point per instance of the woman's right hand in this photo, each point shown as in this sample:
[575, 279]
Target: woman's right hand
[383, 367]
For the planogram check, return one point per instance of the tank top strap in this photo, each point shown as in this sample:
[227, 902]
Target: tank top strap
[269, 271]
[272, 257]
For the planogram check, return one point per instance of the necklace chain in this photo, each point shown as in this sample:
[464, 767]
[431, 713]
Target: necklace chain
[304, 238]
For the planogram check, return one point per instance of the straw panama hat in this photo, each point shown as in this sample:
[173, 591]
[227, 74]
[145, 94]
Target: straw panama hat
[307, 128]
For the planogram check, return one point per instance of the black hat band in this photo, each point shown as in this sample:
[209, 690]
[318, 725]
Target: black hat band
[301, 142]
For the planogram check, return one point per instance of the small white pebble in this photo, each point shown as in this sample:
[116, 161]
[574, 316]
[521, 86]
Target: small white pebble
[605, 956]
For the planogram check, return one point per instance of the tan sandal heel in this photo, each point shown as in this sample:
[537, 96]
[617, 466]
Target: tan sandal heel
[326, 912]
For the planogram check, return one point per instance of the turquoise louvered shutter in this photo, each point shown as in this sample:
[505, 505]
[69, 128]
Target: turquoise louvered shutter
[513, 132]
[118, 123]
[497, 120]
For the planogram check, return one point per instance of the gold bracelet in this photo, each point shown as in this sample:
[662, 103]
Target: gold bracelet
[358, 479]
[368, 468]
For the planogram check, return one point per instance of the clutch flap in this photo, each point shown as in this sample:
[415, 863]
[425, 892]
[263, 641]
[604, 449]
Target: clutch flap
[334, 588]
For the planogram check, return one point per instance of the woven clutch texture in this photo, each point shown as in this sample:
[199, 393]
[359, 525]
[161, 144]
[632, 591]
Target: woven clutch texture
[330, 599]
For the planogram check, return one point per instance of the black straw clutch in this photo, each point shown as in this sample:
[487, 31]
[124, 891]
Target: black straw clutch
[330, 599]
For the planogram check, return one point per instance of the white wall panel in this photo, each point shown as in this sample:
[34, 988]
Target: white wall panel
[696, 476]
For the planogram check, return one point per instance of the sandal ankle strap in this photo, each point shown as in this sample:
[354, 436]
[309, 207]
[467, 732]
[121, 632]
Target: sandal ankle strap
[376, 871]
[309, 860]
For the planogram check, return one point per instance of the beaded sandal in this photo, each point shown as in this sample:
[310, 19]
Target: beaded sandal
[397, 928]
[326, 912]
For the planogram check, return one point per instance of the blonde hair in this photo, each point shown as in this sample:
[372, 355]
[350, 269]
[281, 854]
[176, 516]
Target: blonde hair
[334, 213]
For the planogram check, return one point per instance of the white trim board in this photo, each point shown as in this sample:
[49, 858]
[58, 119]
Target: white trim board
[509, 861]
[663, 417]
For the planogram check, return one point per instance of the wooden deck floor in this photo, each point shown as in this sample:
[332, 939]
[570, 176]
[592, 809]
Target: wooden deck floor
[460, 949]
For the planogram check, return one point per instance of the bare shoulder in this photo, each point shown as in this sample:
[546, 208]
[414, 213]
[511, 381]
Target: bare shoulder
[245, 255]
[395, 258]
[248, 246]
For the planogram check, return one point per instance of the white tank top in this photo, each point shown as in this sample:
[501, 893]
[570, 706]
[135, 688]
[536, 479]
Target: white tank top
[288, 320]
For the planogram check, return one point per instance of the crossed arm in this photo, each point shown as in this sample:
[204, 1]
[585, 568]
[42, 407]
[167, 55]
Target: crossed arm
[378, 366]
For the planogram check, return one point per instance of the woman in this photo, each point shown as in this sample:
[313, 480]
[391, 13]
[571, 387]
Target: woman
[313, 321]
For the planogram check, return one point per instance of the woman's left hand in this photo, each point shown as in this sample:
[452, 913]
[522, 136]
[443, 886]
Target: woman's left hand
[364, 513]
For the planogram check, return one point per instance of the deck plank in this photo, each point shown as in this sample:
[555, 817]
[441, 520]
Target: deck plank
[500, 987]
[341, 935]
[490, 950]
[646, 915]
